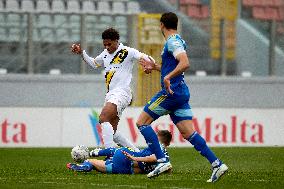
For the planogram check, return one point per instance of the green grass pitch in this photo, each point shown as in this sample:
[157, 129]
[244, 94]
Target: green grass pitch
[261, 167]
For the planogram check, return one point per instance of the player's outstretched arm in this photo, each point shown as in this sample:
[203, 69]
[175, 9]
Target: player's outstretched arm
[76, 49]
[147, 159]
[149, 64]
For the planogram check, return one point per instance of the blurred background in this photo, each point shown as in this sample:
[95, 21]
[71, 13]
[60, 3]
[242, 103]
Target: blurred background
[236, 51]
[242, 38]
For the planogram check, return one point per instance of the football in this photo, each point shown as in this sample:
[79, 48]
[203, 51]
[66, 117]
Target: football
[80, 153]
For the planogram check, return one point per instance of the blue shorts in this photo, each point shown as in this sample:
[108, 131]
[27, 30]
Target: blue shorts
[176, 105]
[120, 163]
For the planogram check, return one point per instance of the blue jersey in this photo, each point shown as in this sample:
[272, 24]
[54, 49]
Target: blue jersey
[177, 104]
[174, 45]
[120, 164]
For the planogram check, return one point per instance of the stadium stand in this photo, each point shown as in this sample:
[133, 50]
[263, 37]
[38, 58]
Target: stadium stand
[261, 13]
[43, 6]
[56, 24]
[58, 6]
[73, 6]
[12, 6]
[88, 7]
[28, 6]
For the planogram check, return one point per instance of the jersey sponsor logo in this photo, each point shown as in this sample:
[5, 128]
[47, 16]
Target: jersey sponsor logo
[109, 75]
[119, 57]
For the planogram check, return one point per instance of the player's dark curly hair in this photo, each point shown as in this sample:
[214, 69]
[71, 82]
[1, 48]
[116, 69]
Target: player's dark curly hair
[170, 20]
[165, 137]
[111, 34]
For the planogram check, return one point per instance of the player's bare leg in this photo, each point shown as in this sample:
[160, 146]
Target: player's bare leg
[99, 165]
[109, 121]
[108, 114]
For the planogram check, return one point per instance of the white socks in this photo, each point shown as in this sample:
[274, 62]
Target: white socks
[120, 139]
[110, 138]
[107, 134]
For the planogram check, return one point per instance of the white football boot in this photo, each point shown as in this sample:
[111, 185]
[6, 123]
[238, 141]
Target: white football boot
[218, 172]
[161, 167]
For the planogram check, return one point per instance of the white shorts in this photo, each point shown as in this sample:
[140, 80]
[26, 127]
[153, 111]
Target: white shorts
[121, 97]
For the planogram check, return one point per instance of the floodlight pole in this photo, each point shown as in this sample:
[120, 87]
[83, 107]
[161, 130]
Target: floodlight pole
[83, 41]
[223, 47]
[272, 48]
[29, 57]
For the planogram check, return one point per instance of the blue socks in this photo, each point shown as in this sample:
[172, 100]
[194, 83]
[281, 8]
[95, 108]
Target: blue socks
[152, 141]
[106, 152]
[200, 145]
[86, 166]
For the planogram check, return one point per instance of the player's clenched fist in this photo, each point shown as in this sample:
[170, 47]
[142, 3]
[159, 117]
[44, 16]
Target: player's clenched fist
[76, 48]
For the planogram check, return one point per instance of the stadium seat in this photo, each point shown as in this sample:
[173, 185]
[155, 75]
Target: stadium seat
[272, 13]
[74, 21]
[43, 6]
[205, 11]
[106, 19]
[103, 7]
[58, 6]
[12, 6]
[3, 34]
[194, 11]
[88, 7]
[118, 8]
[121, 20]
[133, 7]
[13, 35]
[73, 6]
[62, 35]
[44, 20]
[1, 6]
[75, 35]
[2, 19]
[60, 21]
[192, 2]
[28, 6]
[47, 35]
[13, 20]
[36, 35]
[258, 13]
[281, 13]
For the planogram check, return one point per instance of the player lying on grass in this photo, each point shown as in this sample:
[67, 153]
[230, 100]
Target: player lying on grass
[124, 160]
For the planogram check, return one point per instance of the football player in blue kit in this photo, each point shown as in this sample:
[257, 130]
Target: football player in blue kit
[124, 160]
[173, 100]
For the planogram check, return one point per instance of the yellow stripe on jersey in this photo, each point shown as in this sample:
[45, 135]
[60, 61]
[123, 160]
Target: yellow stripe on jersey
[109, 76]
[119, 57]
[98, 65]
[157, 102]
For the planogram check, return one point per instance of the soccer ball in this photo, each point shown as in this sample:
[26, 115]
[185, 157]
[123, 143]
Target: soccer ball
[80, 153]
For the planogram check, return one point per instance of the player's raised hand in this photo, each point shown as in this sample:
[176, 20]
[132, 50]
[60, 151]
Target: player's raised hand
[167, 83]
[147, 64]
[76, 48]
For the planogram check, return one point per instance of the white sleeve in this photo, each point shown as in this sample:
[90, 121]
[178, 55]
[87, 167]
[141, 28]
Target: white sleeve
[137, 55]
[94, 62]
[176, 46]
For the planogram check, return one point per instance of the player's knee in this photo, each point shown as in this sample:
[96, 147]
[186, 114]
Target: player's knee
[185, 135]
[138, 124]
[104, 117]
